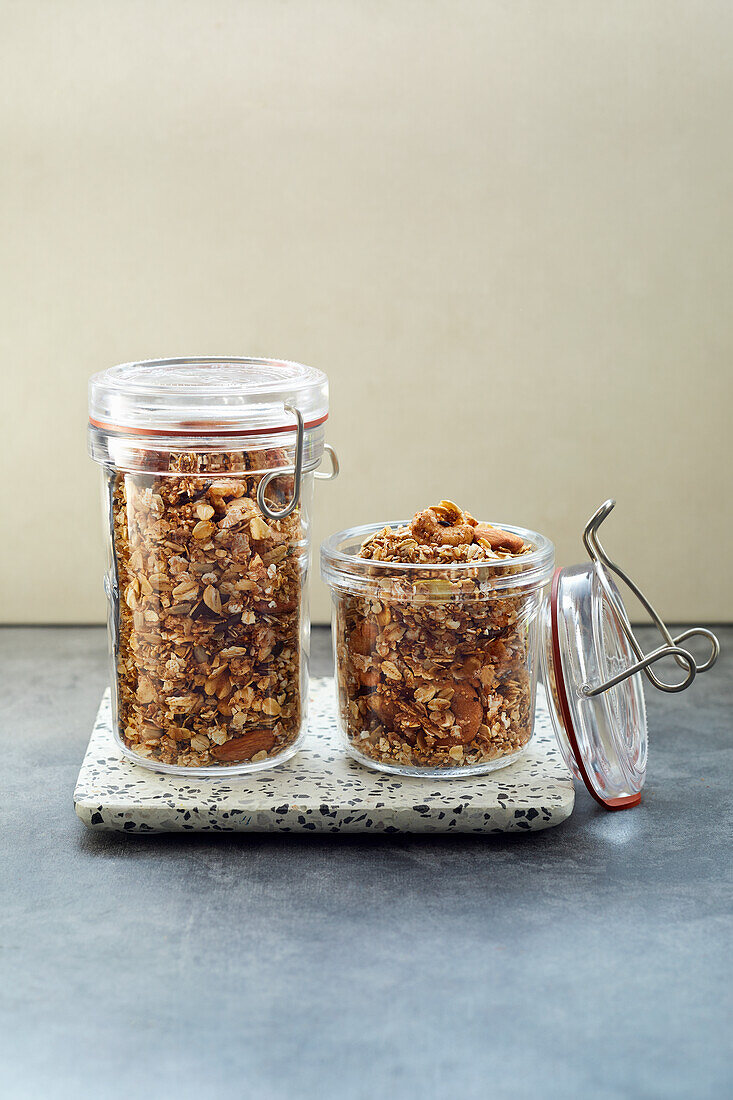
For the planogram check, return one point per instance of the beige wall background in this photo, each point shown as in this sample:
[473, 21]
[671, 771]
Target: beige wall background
[502, 228]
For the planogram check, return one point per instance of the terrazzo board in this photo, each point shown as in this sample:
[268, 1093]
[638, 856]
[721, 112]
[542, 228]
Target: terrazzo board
[321, 789]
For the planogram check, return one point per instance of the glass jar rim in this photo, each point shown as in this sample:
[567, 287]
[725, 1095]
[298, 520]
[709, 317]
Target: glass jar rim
[206, 395]
[345, 569]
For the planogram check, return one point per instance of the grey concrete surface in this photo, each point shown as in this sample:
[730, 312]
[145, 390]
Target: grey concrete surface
[591, 960]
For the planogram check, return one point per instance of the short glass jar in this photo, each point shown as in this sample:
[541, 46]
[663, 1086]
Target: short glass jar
[436, 664]
[208, 468]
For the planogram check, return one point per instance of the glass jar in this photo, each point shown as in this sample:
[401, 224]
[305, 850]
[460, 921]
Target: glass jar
[436, 664]
[208, 468]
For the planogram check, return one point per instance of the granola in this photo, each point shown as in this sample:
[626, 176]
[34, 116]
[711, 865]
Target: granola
[207, 644]
[433, 666]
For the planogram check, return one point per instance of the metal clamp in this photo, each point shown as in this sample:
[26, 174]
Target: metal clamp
[333, 473]
[296, 471]
[671, 647]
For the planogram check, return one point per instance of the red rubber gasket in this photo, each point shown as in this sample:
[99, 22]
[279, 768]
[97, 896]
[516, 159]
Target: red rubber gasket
[623, 802]
[194, 428]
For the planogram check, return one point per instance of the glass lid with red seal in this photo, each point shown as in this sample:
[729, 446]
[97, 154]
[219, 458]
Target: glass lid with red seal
[594, 669]
[140, 411]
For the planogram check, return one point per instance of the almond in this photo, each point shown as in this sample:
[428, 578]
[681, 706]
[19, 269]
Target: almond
[466, 706]
[364, 638]
[280, 608]
[369, 678]
[498, 539]
[245, 747]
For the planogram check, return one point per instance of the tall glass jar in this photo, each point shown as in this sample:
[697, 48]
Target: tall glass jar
[436, 663]
[208, 468]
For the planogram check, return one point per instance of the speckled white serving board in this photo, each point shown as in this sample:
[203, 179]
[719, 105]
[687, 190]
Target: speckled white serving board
[321, 789]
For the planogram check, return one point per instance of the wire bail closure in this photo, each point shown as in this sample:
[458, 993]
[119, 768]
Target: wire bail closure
[671, 647]
[296, 471]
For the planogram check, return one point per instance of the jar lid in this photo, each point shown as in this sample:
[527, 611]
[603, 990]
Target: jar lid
[208, 395]
[603, 737]
[593, 671]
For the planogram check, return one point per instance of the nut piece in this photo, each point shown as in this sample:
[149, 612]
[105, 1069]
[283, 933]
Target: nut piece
[259, 530]
[363, 638]
[498, 539]
[466, 706]
[245, 747]
[212, 599]
[441, 526]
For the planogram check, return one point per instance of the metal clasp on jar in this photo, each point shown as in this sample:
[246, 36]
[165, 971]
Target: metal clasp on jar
[671, 647]
[296, 471]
